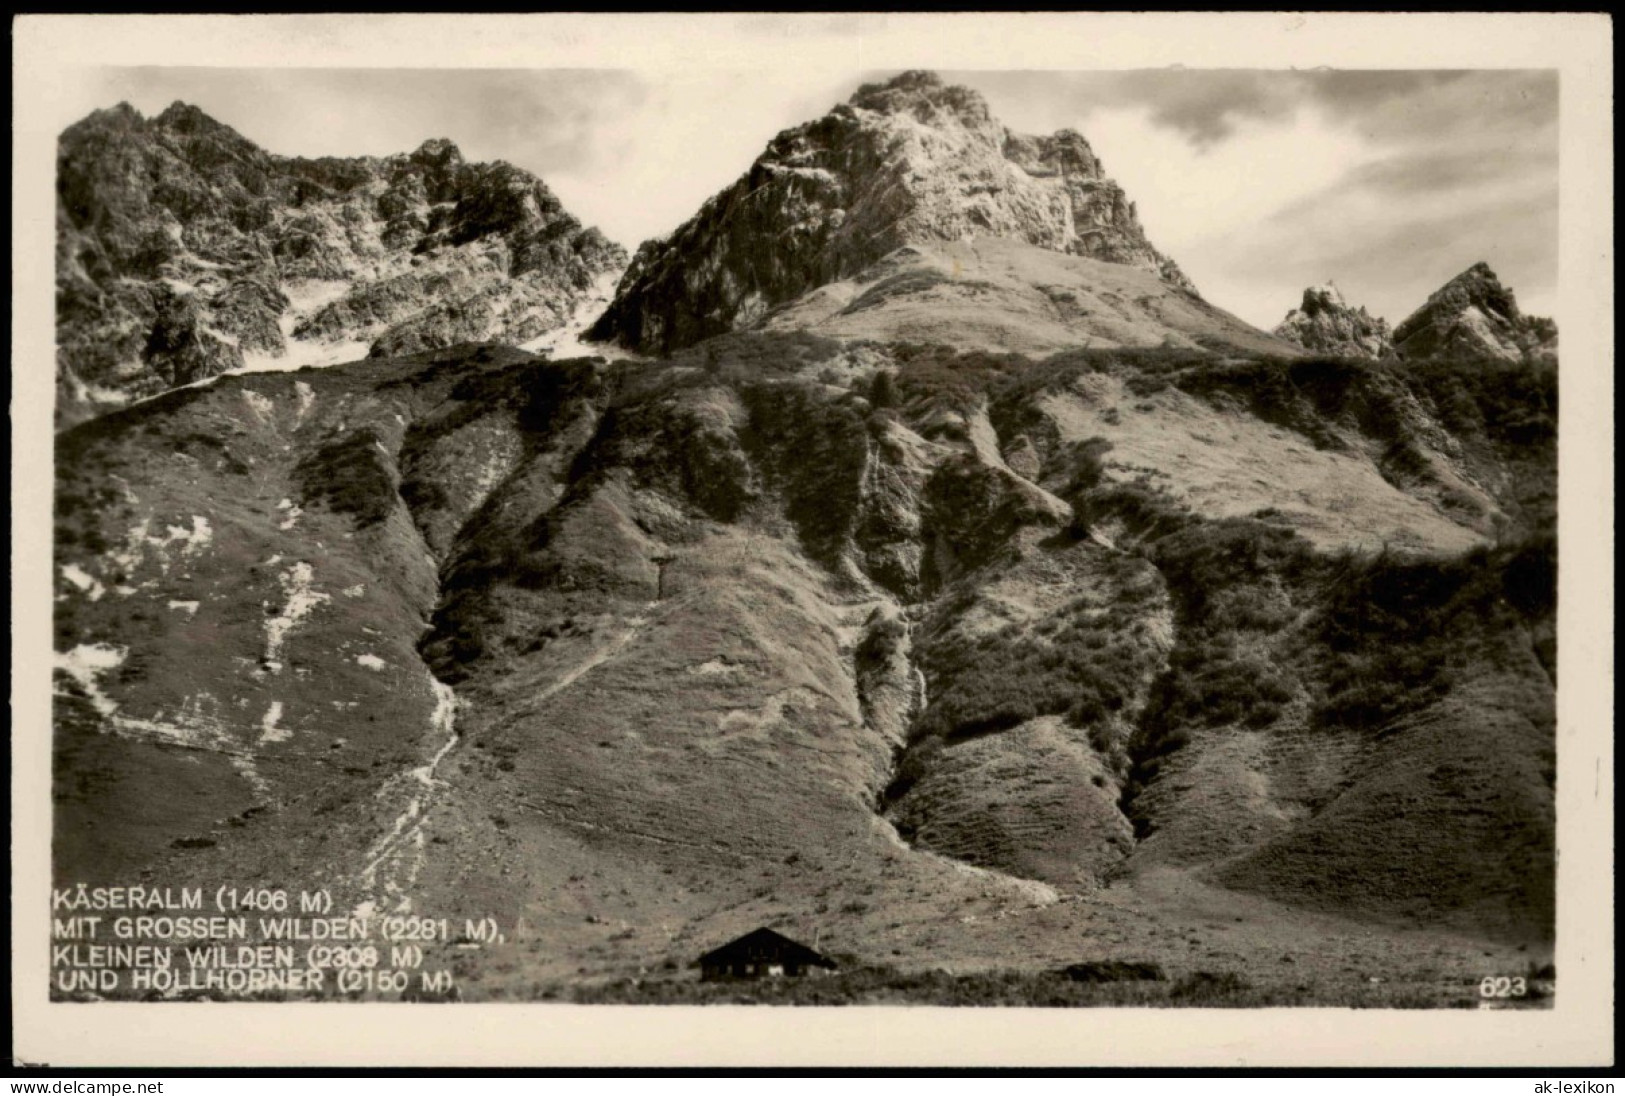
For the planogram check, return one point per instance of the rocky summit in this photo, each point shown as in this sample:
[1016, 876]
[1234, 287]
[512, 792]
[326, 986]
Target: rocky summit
[908, 161]
[185, 251]
[953, 588]
[1325, 323]
[1474, 316]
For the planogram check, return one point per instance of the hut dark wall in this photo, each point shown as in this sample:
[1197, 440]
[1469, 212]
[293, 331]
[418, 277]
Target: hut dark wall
[762, 954]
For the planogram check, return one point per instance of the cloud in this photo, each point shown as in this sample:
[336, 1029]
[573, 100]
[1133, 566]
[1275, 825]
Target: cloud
[1421, 107]
[690, 137]
[547, 117]
[1388, 240]
[1260, 182]
[1209, 106]
[1461, 170]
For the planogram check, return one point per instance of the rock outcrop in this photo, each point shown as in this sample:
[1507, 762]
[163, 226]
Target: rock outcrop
[909, 161]
[184, 250]
[1475, 316]
[1326, 324]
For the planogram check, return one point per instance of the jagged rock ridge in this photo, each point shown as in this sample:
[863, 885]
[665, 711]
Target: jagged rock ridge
[908, 161]
[1325, 323]
[1474, 316]
[184, 250]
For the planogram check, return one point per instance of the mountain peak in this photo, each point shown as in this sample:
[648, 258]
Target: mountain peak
[119, 118]
[923, 95]
[1483, 285]
[1325, 323]
[910, 160]
[1473, 315]
[1322, 298]
[905, 81]
[186, 118]
[437, 152]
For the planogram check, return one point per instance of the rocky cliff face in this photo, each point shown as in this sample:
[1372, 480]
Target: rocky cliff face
[909, 161]
[1474, 316]
[185, 251]
[1325, 324]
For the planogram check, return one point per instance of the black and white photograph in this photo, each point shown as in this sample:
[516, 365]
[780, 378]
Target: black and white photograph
[955, 533]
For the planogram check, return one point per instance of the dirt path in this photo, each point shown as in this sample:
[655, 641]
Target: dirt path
[634, 625]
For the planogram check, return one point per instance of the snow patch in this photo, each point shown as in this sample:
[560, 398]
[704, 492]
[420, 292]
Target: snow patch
[307, 400]
[305, 354]
[94, 393]
[187, 607]
[302, 599]
[404, 841]
[371, 662]
[565, 341]
[260, 405]
[715, 666]
[358, 590]
[139, 542]
[85, 664]
[443, 720]
[201, 537]
[305, 299]
[269, 731]
[83, 580]
[307, 296]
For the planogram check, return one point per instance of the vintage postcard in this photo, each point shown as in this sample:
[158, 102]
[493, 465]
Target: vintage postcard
[1082, 526]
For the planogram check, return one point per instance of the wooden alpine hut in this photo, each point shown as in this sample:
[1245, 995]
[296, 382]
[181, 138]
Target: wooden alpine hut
[762, 954]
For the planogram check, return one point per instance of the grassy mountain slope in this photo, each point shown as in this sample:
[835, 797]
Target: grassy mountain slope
[1000, 294]
[950, 657]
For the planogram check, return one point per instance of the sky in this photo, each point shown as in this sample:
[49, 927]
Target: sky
[1257, 182]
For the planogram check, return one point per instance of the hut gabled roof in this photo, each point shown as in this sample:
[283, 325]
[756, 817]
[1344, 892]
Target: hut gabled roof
[765, 946]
